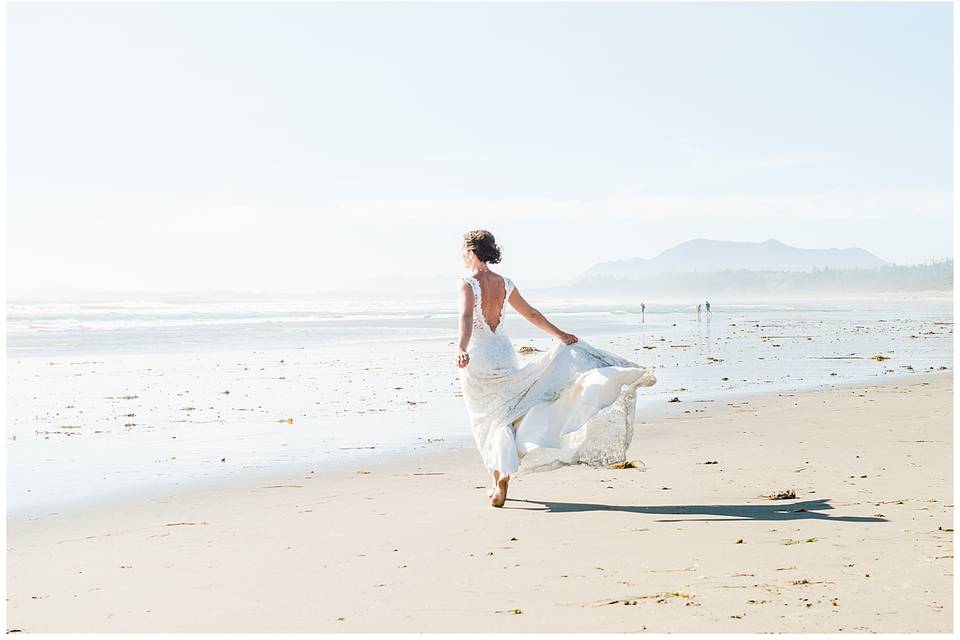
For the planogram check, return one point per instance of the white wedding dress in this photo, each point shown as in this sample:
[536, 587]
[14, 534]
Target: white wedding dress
[575, 404]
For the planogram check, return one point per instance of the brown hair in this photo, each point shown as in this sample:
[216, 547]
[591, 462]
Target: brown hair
[483, 244]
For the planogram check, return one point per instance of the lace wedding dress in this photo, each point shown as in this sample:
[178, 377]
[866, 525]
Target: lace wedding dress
[575, 404]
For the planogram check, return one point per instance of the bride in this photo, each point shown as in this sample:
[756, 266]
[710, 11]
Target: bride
[575, 404]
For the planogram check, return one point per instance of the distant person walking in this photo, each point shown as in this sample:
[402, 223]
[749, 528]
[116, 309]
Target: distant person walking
[643, 310]
[699, 309]
[709, 313]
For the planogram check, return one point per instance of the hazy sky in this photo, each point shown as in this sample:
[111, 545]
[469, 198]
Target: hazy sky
[296, 146]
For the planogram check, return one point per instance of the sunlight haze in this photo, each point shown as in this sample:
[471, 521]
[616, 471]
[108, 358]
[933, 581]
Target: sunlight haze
[303, 147]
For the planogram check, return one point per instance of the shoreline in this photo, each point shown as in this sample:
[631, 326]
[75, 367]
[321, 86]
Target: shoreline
[413, 545]
[403, 454]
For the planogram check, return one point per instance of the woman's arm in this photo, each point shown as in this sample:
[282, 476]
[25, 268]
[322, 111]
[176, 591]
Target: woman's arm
[466, 322]
[537, 319]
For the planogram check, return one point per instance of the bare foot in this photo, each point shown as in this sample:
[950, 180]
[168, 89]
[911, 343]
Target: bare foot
[500, 496]
[493, 489]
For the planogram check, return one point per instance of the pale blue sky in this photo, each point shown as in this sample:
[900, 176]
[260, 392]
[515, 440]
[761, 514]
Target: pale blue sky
[295, 146]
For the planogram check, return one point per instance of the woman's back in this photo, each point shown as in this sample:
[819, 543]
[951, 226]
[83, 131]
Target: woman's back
[493, 291]
[493, 286]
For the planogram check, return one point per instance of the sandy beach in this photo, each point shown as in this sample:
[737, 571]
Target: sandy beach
[687, 543]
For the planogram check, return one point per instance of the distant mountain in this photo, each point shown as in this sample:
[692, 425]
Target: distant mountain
[732, 284]
[718, 255]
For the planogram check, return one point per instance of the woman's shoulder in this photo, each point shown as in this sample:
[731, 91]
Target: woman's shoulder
[468, 283]
[474, 282]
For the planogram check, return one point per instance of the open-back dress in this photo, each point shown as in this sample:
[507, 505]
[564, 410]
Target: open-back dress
[575, 404]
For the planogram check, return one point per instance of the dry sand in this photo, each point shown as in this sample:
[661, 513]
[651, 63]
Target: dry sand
[413, 545]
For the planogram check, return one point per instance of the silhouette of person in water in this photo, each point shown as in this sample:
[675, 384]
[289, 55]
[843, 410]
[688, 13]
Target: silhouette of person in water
[709, 313]
[699, 307]
[643, 310]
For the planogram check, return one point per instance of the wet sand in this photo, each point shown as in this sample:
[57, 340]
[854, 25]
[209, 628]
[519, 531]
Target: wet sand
[688, 543]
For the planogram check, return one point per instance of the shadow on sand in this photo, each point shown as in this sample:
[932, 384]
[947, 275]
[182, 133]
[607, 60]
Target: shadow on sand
[809, 509]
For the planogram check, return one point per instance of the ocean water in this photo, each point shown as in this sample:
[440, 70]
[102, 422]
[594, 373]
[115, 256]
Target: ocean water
[111, 399]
